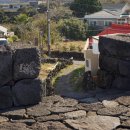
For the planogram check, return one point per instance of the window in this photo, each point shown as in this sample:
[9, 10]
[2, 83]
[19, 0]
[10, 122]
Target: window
[108, 23]
[87, 63]
[93, 23]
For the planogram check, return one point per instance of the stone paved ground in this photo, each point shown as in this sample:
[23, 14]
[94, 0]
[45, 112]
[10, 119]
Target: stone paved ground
[100, 110]
[92, 110]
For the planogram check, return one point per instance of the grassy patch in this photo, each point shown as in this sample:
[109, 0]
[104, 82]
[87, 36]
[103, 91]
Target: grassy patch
[77, 78]
[45, 69]
[59, 75]
[69, 46]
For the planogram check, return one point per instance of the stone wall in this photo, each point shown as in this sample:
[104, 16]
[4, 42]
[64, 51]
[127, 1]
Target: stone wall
[114, 62]
[67, 55]
[60, 64]
[19, 83]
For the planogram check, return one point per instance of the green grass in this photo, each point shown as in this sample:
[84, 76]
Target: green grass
[77, 78]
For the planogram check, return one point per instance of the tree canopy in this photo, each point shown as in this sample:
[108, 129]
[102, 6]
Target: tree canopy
[81, 7]
[73, 29]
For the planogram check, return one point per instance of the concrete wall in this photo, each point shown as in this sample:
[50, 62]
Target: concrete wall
[91, 60]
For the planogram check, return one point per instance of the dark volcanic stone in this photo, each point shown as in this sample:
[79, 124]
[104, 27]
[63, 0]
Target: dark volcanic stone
[49, 126]
[115, 45]
[27, 92]
[124, 68]
[109, 64]
[105, 79]
[13, 126]
[121, 83]
[116, 111]
[5, 67]
[26, 63]
[6, 100]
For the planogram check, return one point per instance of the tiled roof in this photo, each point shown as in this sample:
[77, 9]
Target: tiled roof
[103, 14]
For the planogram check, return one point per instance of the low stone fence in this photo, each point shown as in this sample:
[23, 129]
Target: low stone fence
[60, 64]
[67, 55]
[19, 83]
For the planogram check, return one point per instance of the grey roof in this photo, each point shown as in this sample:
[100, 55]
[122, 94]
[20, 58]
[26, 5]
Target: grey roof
[113, 6]
[103, 14]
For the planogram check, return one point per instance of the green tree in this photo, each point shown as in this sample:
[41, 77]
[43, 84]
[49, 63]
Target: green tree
[22, 18]
[29, 11]
[73, 29]
[61, 12]
[81, 7]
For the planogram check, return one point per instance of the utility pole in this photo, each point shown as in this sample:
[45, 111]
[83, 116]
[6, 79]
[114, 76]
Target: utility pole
[49, 29]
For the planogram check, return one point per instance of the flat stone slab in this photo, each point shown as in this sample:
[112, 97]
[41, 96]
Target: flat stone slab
[50, 118]
[115, 111]
[67, 103]
[126, 124]
[75, 114]
[90, 107]
[50, 126]
[58, 110]
[38, 110]
[3, 119]
[94, 123]
[89, 100]
[25, 121]
[124, 100]
[14, 113]
[110, 104]
[13, 126]
[52, 99]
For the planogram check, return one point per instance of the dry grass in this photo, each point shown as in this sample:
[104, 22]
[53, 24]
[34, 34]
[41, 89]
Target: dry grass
[69, 46]
[45, 69]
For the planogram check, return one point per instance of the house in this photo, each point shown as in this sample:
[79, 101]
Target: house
[3, 31]
[91, 51]
[119, 14]
[14, 5]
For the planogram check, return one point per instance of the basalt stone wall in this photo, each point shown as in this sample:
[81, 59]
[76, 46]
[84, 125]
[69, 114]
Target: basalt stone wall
[114, 62]
[67, 55]
[60, 64]
[19, 83]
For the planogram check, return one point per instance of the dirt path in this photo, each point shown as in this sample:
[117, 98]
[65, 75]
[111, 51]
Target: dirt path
[64, 86]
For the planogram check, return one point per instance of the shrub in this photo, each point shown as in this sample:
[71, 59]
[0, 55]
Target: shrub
[10, 40]
[79, 48]
[15, 38]
[65, 48]
[72, 47]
